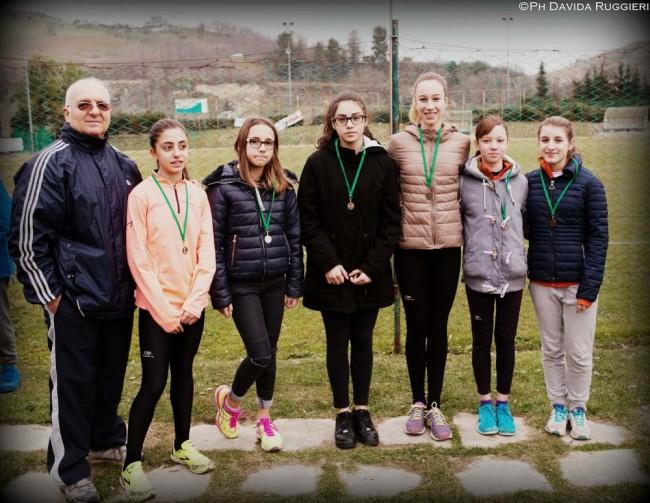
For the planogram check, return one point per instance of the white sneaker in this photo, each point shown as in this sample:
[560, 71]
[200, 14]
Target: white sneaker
[579, 425]
[556, 424]
[82, 491]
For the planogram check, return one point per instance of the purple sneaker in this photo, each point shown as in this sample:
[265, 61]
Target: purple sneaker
[436, 420]
[415, 423]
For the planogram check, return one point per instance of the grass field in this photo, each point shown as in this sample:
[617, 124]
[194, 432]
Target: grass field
[620, 383]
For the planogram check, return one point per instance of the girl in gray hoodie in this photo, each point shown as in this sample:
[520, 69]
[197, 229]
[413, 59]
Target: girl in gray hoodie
[493, 197]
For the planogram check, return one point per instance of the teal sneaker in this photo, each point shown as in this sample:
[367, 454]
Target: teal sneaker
[505, 421]
[487, 420]
[9, 379]
[579, 425]
[556, 424]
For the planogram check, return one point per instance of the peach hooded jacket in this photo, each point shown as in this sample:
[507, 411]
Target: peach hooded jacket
[167, 280]
[430, 216]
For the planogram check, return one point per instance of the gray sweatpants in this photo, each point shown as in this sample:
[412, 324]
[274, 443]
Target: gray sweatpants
[7, 333]
[567, 343]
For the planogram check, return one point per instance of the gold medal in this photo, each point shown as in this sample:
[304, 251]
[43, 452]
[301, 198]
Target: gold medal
[350, 205]
[552, 222]
[184, 250]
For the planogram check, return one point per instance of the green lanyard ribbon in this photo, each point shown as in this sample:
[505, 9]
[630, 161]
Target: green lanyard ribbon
[553, 207]
[266, 219]
[504, 210]
[351, 188]
[428, 173]
[169, 205]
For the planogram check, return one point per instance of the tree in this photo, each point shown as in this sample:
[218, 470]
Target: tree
[542, 83]
[379, 46]
[48, 82]
[354, 48]
[319, 60]
[334, 58]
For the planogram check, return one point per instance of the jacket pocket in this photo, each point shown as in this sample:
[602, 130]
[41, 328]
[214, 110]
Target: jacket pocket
[234, 250]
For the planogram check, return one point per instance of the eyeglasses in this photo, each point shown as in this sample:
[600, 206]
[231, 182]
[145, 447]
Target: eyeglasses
[342, 120]
[256, 143]
[87, 106]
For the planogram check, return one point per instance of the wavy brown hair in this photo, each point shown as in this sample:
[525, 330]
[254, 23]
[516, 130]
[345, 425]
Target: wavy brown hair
[328, 130]
[273, 174]
[159, 128]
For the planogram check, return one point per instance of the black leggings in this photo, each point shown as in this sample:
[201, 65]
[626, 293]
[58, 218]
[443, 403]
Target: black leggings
[353, 329]
[258, 308]
[160, 351]
[481, 310]
[428, 280]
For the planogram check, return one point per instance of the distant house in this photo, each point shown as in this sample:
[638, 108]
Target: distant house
[625, 119]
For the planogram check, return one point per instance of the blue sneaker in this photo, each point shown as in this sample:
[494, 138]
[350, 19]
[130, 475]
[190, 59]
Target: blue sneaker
[505, 421]
[487, 420]
[9, 379]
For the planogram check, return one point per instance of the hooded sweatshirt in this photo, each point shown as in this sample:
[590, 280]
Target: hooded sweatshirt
[494, 258]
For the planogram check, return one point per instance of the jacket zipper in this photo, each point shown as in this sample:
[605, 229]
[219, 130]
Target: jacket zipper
[234, 249]
[286, 241]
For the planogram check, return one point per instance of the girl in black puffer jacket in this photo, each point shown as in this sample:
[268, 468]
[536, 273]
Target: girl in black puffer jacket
[259, 267]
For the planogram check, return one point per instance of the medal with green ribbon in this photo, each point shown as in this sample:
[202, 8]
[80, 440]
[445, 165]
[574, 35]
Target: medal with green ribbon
[187, 212]
[429, 171]
[504, 203]
[552, 208]
[351, 188]
[265, 218]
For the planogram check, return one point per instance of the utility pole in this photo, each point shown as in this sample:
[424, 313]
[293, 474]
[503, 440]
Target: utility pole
[507, 20]
[289, 32]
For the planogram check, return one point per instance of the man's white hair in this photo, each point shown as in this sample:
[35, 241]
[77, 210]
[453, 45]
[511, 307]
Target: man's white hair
[80, 83]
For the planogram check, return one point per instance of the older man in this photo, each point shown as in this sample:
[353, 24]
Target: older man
[68, 242]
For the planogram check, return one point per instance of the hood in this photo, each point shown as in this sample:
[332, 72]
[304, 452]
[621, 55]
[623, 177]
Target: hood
[371, 146]
[471, 167]
[430, 135]
[229, 173]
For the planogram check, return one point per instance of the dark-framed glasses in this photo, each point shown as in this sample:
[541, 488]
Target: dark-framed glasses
[87, 106]
[342, 120]
[256, 143]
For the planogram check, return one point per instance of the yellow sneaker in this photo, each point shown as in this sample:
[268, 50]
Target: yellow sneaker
[226, 421]
[189, 456]
[135, 483]
[268, 435]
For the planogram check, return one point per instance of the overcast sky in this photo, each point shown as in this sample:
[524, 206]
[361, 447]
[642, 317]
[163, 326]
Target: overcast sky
[428, 29]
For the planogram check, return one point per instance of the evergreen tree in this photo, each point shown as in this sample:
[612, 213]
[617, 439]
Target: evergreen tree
[379, 46]
[542, 83]
[354, 48]
[319, 60]
[334, 58]
[600, 85]
[587, 88]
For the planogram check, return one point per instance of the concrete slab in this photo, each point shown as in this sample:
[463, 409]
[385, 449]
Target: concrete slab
[598, 468]
[490, 476]
[601, 433]
[466, 424]
[24, 438]
[391, 432]
[206, 437]
[30, 487]
[177, 483]
[286, 480]
[305, 433]
[374, 481]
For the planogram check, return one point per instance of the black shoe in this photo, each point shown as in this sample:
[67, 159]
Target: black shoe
[344, 436]
[363, 428]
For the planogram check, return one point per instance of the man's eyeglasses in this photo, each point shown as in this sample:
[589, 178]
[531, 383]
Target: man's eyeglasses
[342, 120]
[87, 106]
[256, 143]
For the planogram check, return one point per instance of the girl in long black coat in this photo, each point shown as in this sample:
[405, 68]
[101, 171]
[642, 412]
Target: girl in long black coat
[350, 224]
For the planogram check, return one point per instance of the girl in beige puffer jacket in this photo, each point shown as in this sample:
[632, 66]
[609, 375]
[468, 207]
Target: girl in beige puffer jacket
[430, 156]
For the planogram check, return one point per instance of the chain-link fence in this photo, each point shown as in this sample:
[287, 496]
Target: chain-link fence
[606, 96]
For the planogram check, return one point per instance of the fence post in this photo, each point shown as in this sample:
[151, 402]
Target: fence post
[394, 128]
[29, 109]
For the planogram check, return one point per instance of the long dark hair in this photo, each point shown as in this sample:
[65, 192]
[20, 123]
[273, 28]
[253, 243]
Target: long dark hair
[273, 174]
[159, 128]
[328, 130]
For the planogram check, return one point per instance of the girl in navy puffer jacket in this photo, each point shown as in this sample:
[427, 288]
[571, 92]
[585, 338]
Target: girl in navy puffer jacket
[259, 267]
[568, 234]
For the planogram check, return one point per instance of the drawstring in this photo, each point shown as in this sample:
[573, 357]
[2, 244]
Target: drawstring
[503, 290]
